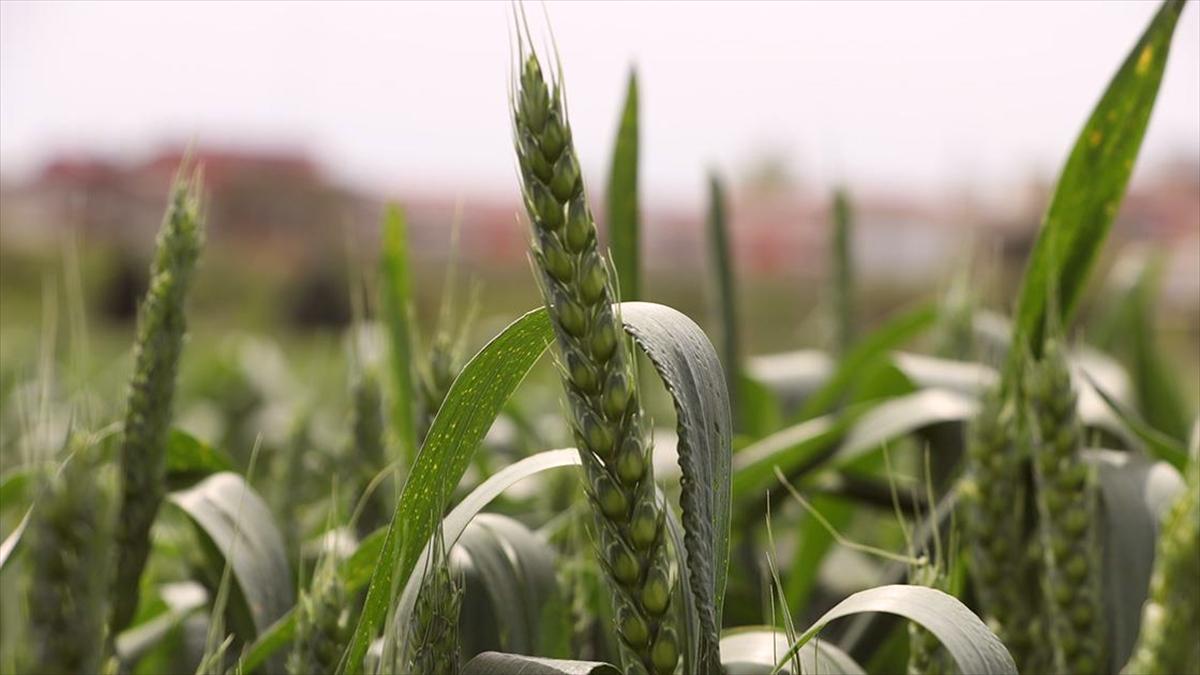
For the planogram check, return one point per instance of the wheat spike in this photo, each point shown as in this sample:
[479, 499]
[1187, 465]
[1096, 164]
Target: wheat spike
[597, 373]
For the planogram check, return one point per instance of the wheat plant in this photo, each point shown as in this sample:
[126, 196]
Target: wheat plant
[597, 372]
[160, 336]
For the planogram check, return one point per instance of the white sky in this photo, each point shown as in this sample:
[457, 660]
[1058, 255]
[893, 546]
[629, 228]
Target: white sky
[914, 96]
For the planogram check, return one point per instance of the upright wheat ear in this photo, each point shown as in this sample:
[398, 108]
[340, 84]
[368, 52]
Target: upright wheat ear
[1167, 642]
[598, 375]
[159, 343]
[1066, 502]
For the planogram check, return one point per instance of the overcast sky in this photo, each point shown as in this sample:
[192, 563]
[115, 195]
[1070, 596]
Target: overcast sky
[915, 96]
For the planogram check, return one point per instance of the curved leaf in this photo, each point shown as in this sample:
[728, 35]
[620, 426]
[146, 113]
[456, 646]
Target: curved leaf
[1092, 184]
[755, 651]
[497, 663]
[690, 370]
[1135, 493]
[357, 571]
[509, 581]
[796, 446]
[180, 600]
[231, 515]
[974, 648]
[623, 198]
[903, 415]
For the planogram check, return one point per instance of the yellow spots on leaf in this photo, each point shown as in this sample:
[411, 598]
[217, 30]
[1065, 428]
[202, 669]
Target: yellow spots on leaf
[1144, 59]
[1094, 137]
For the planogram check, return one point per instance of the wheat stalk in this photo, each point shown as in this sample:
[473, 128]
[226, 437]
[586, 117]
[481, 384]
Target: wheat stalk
[1066, 502]
[160, 334]
[597, 373]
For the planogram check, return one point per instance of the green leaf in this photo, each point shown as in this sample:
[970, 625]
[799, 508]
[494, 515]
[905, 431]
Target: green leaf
[398, 313]
[1091, 186]
[974, 648]
[497, 663]
[754, 650]
[470, 408]
[870, 350]
[690, 370]
[189, 458]
[623, 225]
[1135, 493]
[726, 292]
[9, 545]
[231, 516]
[796, 448]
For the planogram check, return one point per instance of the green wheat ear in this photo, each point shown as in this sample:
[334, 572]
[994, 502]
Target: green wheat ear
[160, 335]
[1171, 617]
[995, 494]
[69, 548]
[1066, 501]
[432, 645]
[597, 373]
[322, 622]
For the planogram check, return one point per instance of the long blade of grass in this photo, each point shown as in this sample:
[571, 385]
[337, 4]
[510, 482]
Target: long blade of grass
[868, 351]
[1091, 186]
[842, 283]
[623, 217]
[726, 292]
[396, 290]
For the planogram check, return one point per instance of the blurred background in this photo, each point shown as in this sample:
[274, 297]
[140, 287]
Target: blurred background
[946, 123]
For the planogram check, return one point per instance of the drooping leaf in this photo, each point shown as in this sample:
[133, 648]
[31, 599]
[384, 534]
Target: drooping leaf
[755, 650]
[901, 416]
[1135, 493]
[1157, 443]
[509, 580]
[497, 663]
[1091, 185]
[623, 217]
[974, 648]
[235, 520]
[357, 571]
[690, 370]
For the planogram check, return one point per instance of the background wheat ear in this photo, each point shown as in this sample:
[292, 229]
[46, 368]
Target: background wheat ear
[1171, 617]
[597, 373]
[1065, 489]
[160, 332]
[69, 548]
[995, 492]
